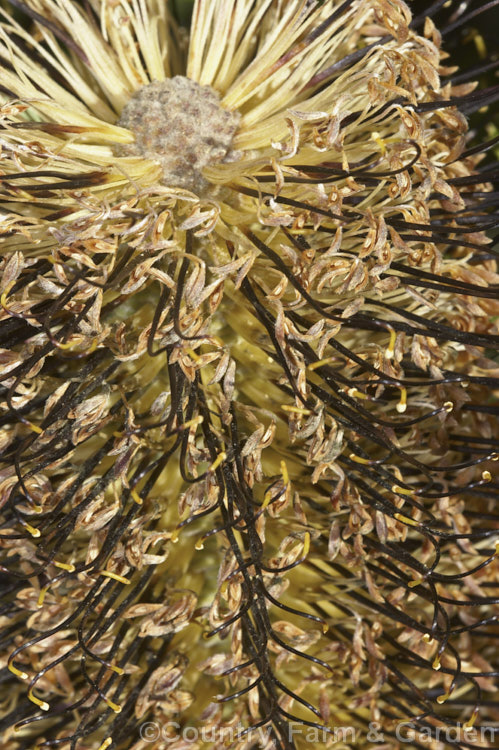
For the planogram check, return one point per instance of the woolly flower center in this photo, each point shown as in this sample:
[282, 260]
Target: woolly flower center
[181, 125]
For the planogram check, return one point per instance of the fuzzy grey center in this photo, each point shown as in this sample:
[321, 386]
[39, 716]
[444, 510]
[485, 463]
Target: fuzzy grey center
[181, 125]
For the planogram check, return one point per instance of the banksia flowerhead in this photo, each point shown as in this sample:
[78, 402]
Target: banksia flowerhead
[249, 379]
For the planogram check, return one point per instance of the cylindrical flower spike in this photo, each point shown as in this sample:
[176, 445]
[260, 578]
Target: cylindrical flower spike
[249, 377]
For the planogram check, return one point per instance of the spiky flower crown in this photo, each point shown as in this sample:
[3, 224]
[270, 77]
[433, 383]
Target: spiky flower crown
[249, 419]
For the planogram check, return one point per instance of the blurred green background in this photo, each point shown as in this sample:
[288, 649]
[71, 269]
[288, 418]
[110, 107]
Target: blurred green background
[182, 10]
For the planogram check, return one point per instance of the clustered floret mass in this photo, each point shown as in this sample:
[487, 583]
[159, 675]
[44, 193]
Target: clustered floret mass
[248, 402]
[181, 125]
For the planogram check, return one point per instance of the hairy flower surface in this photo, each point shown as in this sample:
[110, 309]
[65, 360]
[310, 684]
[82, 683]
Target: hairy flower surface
[249, 379]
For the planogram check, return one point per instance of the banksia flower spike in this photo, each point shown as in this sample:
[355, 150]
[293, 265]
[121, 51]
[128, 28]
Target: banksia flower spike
[249, 378]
